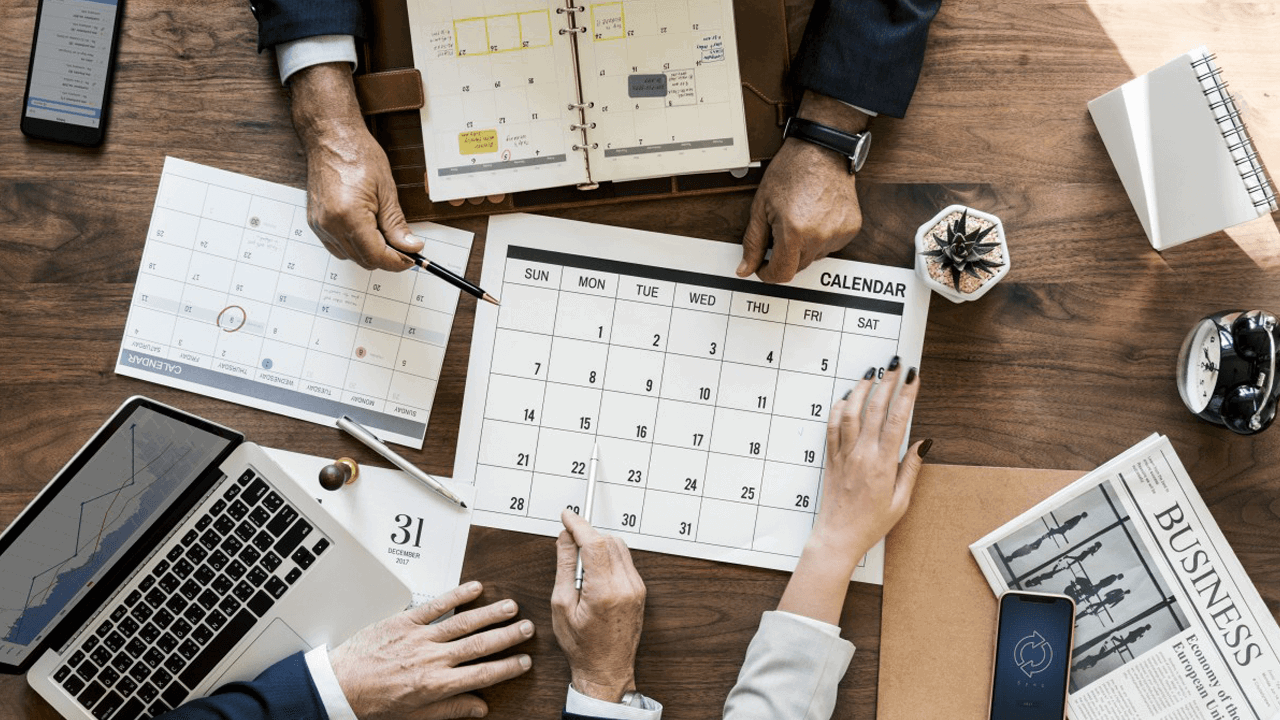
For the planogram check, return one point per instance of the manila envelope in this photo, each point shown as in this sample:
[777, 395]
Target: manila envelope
[938, 616]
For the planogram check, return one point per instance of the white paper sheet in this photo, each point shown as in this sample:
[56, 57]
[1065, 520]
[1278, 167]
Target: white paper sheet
[237, 299]
[708, 394]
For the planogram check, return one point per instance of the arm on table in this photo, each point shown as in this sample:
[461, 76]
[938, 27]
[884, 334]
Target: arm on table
[797, 657]
[863, 53]
[407, 666]
[599, 627]
[351, 196]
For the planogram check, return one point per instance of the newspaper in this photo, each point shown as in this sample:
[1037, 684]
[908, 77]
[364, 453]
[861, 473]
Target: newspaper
[1168, 626]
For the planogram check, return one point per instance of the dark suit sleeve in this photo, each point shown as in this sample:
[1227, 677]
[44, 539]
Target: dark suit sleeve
[865, 52]
[284, 20]
[284, 691]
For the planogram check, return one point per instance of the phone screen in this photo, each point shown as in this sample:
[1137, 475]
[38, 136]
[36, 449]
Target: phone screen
[70, 61]
[1033, 655]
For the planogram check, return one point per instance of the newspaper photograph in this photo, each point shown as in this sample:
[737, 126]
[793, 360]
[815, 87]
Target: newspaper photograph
[1168, 626]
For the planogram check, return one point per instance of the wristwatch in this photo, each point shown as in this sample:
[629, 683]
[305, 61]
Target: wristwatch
[854, 147]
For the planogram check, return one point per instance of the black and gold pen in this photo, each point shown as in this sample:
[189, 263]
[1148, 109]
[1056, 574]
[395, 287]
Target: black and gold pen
[450, 277]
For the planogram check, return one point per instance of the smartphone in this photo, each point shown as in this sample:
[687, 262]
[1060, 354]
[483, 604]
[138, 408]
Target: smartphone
[73, 58]
[1034, 636]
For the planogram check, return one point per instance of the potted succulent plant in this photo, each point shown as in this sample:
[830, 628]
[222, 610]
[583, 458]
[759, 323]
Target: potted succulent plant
[962, 253]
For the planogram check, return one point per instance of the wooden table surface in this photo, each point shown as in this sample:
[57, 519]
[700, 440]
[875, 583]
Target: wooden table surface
[1066, 363]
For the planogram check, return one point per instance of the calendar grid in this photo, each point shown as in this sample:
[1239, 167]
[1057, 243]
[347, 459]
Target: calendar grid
[761, 453]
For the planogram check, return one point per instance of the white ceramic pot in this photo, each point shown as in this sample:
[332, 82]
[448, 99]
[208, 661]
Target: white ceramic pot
[945, 289]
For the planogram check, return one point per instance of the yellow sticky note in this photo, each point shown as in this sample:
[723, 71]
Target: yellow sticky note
[478, 142]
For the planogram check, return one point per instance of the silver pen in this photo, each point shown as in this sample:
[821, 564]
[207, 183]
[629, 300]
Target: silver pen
[586, 508]
[361, 433]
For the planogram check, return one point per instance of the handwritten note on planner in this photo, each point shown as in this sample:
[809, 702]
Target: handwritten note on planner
[708, 394]
[237, 299]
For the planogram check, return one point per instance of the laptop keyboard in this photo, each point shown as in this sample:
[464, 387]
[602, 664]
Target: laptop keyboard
[199, 597]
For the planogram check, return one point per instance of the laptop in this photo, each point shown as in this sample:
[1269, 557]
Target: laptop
[170, 557]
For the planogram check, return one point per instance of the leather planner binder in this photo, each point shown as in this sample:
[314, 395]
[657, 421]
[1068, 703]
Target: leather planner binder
[391, 94]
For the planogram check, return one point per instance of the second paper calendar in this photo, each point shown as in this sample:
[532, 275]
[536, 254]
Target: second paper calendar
[708, 394]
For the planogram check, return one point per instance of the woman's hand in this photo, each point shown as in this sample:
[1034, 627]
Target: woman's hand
[865, 490]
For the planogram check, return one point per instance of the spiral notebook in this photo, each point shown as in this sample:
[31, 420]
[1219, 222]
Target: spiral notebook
[530, 94]
[1182, 151]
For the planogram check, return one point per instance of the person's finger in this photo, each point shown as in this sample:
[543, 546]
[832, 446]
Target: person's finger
[908, 472]
[580, 529]
[834, 415]
[484, 644]
[392, 223]
[458, 706]
[878, 405]
[329, 242]
[755, 241]
[465, 623]
[851, 415]
[785, 258]
[370, 249]
[622, 558]
[563, 594]
[808, 256]
[429, 612]
[482, 675]
[899, 418]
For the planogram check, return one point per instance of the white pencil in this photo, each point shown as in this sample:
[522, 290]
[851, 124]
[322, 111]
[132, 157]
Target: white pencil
[586, 510]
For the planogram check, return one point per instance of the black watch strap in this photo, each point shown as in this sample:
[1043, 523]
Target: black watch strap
[853, 147]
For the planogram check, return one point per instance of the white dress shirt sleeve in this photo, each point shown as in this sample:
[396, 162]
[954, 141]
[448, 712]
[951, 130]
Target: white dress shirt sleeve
[580, 704]
[302, 53]
[864, 111]
[331, 695]
[792, 668]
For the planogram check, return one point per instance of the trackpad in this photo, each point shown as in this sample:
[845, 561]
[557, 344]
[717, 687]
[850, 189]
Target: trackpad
[276, 643]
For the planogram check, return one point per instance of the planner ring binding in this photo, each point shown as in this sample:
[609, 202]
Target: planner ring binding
[574, 30]
[1227, 114]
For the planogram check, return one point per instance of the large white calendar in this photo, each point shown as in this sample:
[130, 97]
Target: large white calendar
[237, 299]
[708, 394]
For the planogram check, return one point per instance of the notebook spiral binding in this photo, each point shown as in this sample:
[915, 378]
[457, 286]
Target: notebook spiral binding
[1227, 114]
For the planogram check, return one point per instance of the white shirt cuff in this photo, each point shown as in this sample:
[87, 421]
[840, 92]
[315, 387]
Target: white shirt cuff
[580, 704]
[331, 695]
[826, 627]
[302, 53]
[872, 113]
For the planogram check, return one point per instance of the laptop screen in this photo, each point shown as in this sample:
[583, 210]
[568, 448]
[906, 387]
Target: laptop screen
[107, 498]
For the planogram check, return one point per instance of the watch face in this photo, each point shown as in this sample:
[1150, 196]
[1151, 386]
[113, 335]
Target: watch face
[861, 151]
[1199, 364]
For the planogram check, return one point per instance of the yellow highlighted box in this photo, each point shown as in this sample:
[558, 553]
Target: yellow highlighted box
[502, 33]
[478, 142]
[608, 21]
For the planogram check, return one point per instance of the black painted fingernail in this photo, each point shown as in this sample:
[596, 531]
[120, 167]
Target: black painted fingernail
[924, 447]
[847, 393]
[911, 376]
[871, 372]
[893, 364]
